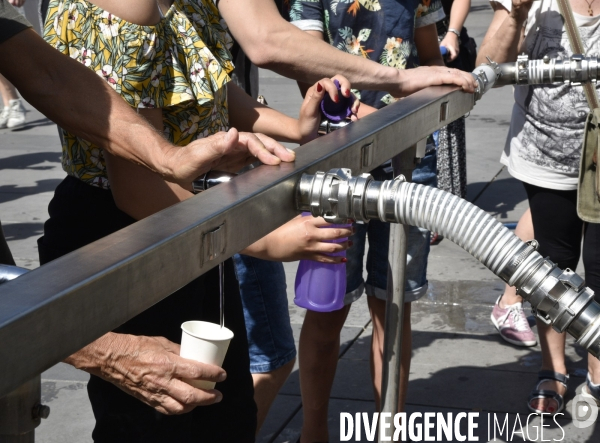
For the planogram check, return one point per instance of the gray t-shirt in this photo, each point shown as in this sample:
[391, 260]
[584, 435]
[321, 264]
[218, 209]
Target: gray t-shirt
[543, 146]
[11, 22]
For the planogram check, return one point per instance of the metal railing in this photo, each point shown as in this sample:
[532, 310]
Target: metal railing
[52, 311]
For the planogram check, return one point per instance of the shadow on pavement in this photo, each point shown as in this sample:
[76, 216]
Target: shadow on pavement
[22, 231]
[34, 124]
[26, 161]
[12, 192]
[499, 198]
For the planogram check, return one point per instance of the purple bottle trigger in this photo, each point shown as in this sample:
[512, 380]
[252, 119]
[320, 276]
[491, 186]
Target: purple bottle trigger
[336, 112]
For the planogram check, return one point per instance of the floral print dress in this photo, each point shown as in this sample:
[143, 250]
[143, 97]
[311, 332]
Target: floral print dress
[380, 30]
[181, 65]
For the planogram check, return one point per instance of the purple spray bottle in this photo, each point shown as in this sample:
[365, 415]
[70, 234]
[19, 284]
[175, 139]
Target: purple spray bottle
[321, 287]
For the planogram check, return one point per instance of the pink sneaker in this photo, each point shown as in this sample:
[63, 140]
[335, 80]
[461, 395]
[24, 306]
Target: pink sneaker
[512, 324]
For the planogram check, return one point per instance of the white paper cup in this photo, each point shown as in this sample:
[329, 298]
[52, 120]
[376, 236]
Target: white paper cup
[204, 342]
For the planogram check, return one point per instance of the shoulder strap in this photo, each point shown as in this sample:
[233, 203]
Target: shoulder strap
[577, 47]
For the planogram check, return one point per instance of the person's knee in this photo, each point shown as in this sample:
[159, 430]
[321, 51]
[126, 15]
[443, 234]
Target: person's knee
[276, 376]
[284, 371]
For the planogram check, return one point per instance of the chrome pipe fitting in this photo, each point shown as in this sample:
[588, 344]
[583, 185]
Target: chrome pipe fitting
[559, 297]
[486, 76]
[210, 179]
[575, 70]
[336, 196]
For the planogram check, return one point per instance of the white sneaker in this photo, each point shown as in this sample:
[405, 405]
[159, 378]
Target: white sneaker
[4, 117]
[13, 115]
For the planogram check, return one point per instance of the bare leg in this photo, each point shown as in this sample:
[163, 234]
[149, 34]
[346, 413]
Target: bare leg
[553, 359]
[525, 232]
[594, 369]
[318, 353]
[266, 387]
[7, 90]
[377, 309]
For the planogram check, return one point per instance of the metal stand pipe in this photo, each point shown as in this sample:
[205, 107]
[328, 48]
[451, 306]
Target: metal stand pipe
[20, 411]
[394, 306]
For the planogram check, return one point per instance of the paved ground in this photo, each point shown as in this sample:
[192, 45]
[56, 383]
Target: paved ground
[459, 363]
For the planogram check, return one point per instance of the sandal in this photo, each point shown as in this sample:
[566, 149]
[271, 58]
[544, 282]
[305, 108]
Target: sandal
[537, 393]
[435, 238]
[590, 391]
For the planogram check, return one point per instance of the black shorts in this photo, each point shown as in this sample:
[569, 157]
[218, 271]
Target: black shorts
[81, 214]
[560, 231]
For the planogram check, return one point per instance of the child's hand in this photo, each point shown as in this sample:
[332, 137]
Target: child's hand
[301, 239]
[310, 112]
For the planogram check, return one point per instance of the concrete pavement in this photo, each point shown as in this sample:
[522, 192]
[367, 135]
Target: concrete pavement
[459, 362]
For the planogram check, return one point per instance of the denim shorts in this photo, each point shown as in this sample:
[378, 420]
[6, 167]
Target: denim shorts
[264, 298]
[377, 256]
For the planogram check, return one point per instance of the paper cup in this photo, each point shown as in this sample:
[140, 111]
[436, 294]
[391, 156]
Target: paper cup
[204, 342]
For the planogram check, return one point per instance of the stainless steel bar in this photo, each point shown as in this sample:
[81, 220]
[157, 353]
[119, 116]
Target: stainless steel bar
[62, 306]
[394, 307]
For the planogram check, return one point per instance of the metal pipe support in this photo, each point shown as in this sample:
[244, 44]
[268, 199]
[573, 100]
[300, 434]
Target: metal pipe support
[403, 163]
[20, 411]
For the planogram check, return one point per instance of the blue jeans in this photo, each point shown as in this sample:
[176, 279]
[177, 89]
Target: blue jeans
[379, 236]
[264, 299]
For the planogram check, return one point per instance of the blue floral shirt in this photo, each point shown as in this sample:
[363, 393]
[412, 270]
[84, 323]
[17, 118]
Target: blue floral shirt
[380, 30]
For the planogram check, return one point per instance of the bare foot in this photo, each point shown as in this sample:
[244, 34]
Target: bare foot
[548, 404]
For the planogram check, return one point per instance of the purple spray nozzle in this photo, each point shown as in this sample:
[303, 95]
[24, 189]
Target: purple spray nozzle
[336, 112]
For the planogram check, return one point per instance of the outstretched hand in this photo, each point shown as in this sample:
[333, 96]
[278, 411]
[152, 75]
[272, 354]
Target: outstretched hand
[151, 370]
[226, 151]
[302, 239]
[414, 80]
[310, 112]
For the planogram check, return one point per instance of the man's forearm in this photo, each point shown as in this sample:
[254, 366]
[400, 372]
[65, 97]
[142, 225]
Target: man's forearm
[80, 101]
[501, 42]
[283, 48]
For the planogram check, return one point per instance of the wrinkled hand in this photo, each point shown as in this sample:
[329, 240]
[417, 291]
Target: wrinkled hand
[414, 80]
[450, 41]
[17, 3]
[226, 151]
[302, 239]
[310, 112]
[150, 369]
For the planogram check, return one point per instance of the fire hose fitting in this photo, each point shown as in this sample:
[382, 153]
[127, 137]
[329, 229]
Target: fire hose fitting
[559, 297]
[574, 70]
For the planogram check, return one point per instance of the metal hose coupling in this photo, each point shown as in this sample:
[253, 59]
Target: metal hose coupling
[559, 297]
[574, 70]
